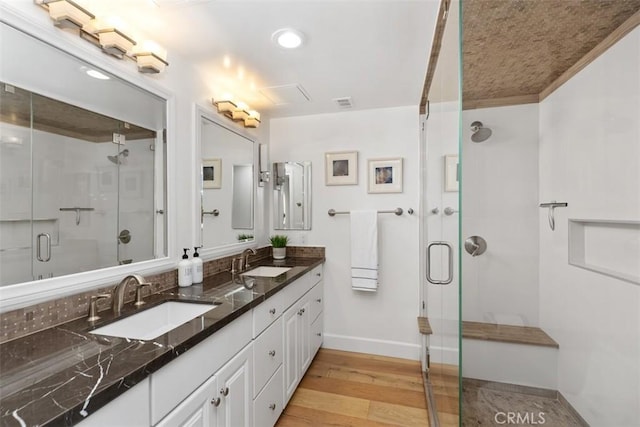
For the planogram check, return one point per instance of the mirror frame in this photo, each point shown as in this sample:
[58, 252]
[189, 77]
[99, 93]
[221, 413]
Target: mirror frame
[28, 293]
[206, 111]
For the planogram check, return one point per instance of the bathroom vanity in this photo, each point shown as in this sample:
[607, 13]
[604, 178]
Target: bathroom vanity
[235, 365]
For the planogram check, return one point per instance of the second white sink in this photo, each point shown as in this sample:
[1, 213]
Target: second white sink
[153, 322]
[266, 271]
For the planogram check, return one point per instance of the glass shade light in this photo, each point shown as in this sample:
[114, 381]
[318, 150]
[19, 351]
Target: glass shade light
[253, 120]
[224, 105]
[66, 13]
[115, 42]
[149, 62]
[240, 112]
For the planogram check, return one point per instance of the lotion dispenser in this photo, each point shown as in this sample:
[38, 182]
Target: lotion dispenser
[184, 270]
[196, 266]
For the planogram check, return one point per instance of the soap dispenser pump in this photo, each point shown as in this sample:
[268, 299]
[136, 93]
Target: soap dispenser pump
[184, 270]
[196, 267]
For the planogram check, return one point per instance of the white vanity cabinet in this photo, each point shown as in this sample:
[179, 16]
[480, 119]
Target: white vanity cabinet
[299, 344]
[224, 400]
[241, 376]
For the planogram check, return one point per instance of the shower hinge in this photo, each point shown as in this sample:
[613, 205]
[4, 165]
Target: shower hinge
[119, 138]
[423, 307]
[164, 136]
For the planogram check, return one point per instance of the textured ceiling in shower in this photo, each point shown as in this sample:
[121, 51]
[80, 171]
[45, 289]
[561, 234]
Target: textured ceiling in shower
[516, 48]
[50, 115]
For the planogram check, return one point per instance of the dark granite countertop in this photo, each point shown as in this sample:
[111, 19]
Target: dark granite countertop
[63, 374]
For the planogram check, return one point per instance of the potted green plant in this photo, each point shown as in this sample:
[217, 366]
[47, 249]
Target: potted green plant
[279, 243]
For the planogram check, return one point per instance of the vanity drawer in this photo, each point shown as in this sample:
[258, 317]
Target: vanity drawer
[267, 355]
[268, 406]
[316, 274]
[265, 313]
[316, 298]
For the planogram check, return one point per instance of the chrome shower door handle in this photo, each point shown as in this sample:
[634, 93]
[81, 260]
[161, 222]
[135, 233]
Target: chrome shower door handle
[39, 247]
[449, 278]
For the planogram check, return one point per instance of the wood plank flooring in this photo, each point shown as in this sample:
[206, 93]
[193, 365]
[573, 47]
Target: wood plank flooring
[354, 389]
[446, 393]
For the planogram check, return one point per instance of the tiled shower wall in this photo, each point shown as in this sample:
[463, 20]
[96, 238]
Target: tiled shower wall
[24, 321]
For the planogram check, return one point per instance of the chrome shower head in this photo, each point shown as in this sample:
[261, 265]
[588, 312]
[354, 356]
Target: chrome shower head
[118, 159]
[480, 133]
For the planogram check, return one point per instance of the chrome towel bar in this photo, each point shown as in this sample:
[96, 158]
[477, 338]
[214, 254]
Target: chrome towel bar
[397, 211]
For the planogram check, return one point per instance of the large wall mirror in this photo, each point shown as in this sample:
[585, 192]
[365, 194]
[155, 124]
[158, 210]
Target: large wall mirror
[82, 166]
[292, 196]
[227, 185]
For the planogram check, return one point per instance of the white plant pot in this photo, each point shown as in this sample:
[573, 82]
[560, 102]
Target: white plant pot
[279, 253]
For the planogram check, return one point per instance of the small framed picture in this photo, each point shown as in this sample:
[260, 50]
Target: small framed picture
[385, 175]
[341, 168]
[451, 172]
[212, 173]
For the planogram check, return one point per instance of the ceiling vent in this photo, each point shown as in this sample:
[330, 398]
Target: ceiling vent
[343, 103]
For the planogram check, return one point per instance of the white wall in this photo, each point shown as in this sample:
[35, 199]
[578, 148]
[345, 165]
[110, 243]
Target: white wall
[500, 204]
[383, 322]
[590, 158]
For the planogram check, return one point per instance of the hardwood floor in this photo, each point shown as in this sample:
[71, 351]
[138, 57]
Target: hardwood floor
[446, 393]
[355, 389]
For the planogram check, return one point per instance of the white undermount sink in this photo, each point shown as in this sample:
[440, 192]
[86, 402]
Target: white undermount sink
[266, 271]
[153, 322]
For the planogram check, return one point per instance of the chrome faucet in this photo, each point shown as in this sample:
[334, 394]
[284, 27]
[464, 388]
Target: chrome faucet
[118, 291]
[244, 263]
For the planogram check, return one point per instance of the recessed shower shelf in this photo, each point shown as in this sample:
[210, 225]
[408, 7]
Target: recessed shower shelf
[609, 247]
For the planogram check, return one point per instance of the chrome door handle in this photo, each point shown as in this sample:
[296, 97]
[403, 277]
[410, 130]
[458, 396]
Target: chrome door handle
[449, 278]
[38, 247]
[224, 391]
[215, 402]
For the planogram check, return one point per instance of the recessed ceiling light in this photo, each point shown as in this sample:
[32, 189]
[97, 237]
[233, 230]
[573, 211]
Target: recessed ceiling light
[96, 74]
[288, 38]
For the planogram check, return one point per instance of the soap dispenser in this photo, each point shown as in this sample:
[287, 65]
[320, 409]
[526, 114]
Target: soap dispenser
[196, 266]
[184, 270]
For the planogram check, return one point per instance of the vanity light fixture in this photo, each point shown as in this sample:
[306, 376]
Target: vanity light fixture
[108, 34]
[253, 121]
[68, 14]
[237, 111]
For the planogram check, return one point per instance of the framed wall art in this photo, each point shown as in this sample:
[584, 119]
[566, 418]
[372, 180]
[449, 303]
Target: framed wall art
[212, 173]
[341, 168]
[385, 175]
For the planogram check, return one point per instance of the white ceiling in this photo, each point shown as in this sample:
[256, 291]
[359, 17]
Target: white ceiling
[375, 52]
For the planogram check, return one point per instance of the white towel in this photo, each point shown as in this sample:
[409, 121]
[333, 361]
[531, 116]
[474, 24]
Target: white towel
[364, 250]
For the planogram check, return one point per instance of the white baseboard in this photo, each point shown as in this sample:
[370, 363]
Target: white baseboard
[399, 349]
[446, 355]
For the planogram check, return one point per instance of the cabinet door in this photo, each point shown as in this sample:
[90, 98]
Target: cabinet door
[197, 410]
[235, 387]
[291, 351]
[304, 339]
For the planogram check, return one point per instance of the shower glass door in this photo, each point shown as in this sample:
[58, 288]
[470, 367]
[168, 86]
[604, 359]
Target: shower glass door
[440, 224]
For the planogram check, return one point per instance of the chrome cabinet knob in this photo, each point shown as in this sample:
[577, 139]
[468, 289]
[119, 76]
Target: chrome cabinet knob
[319, 300]
[318, 274]
[318, 334]
[224, 391]
[272, 406]
[272, 353]
[272, 311]
[215, 402]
